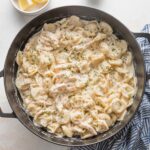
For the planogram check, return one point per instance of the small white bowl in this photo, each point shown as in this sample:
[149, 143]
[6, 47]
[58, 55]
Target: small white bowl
[34, 12]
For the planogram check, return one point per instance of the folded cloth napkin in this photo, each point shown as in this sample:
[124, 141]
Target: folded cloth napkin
[136, 134]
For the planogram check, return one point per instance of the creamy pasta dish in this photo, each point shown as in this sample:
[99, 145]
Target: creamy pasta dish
[76, 77]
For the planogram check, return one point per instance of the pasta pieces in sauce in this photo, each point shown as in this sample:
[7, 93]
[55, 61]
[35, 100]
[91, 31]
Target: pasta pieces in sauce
[76, 77]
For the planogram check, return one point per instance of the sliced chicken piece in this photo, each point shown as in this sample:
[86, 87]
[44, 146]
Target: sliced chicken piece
[60, 67]
[62, 88]
[43, 47]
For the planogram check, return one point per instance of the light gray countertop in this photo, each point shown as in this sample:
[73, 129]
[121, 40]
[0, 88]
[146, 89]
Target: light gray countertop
[13, 135]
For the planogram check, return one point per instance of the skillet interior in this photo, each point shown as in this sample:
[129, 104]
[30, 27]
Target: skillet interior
[33, 27]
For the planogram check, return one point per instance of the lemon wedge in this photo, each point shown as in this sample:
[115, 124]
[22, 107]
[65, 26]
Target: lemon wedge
[40, 1]
[26, 4]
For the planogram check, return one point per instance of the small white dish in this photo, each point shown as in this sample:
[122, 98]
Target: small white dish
[34, 12]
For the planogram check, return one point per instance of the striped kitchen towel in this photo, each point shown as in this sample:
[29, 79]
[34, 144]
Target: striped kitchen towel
[136, 135]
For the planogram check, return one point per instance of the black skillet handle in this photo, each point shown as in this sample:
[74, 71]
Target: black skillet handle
[2, 114]
[147, 36]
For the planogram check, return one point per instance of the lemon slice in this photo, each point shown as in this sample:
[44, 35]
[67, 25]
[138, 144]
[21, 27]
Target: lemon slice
[40, 1]
[26, 4]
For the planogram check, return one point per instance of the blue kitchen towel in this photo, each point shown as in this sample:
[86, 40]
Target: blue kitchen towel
[136, 135]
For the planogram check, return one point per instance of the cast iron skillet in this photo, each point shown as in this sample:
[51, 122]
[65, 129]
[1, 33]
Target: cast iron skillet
[10, 68]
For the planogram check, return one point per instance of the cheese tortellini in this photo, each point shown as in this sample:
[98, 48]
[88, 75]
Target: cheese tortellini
[76, 78]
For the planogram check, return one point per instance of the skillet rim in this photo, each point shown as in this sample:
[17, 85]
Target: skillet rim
[68, 143]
